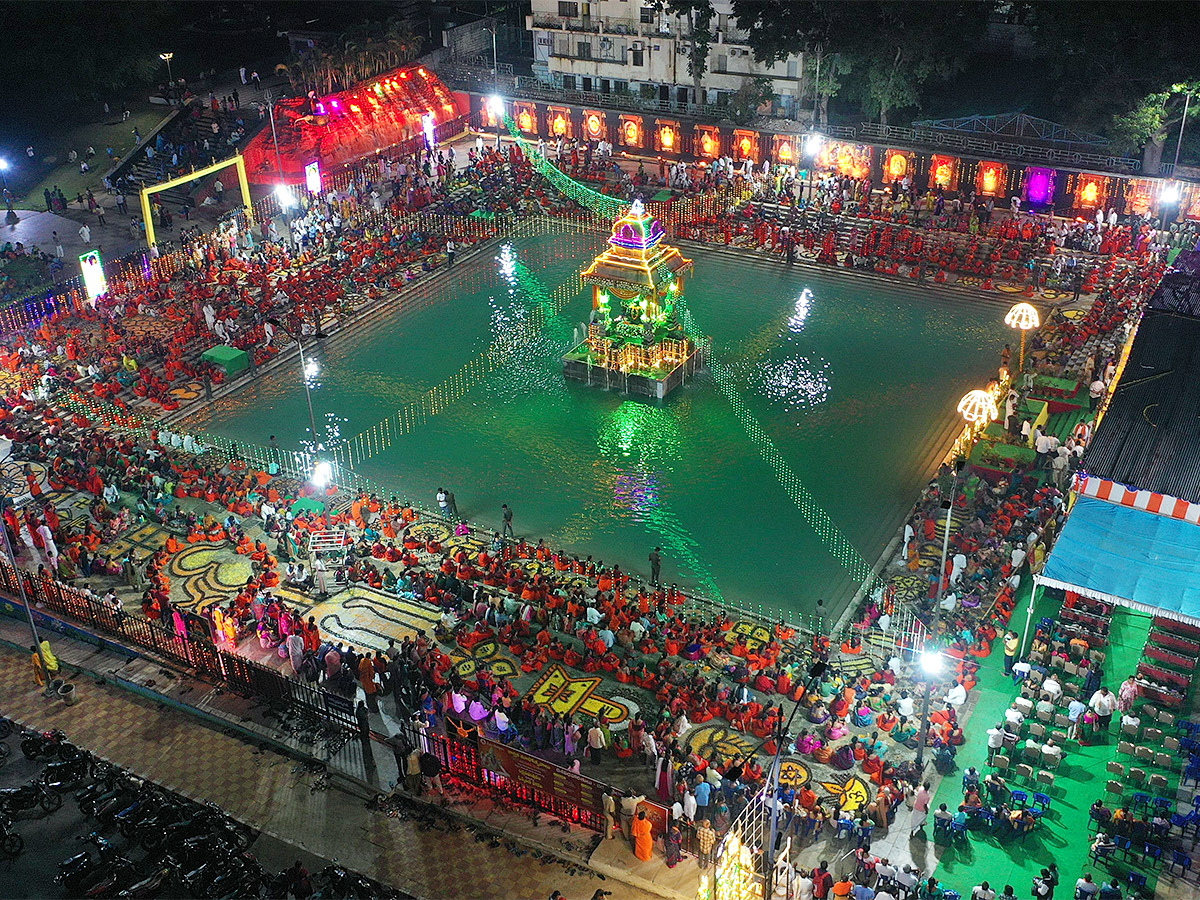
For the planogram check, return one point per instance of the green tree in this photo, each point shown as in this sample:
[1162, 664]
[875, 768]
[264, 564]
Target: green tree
[747, 100]
[1149, 125]
[894, 50]
[699, 14]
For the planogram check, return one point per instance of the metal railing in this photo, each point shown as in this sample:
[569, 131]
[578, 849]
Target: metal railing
[191, 648]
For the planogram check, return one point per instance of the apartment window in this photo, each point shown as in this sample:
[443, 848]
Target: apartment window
[647, 15]
[583, 50]
[568, 82]
[792, 69]
[639, 57]
[568, 10]
[722, 63]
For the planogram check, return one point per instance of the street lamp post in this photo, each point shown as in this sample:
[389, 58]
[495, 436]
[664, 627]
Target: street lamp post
[1023, 316]
[975, 407]
[167, 57]
[1187, 99]
[26, 601]
[270, 98]
[496, 105]
[10, 217]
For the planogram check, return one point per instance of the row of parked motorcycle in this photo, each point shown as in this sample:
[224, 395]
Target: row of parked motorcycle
[149, 842]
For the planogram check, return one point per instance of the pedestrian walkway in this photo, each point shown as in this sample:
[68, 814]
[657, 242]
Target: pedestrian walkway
[269, 791]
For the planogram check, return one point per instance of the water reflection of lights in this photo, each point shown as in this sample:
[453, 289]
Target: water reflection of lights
[803, 307]
[796, 383]
[312, 369]
[636, 491]
[507, 260]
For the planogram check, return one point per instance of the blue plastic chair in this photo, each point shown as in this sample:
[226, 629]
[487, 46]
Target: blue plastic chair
[952, 895]
[1181, 859]
[1125, 845]
[1164, 804]
[1020, 797]
[1102, 855]
[958, 830]
[864, 834]
[1041, 800]
[1152, 852]
[1140, 799]
[844, 829]
[1136, 880]
[941, 828]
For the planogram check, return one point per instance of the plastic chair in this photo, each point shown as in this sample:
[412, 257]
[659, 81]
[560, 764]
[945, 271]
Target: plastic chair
[1139, 799]
[1102, 854]
[1041, 801]
[1152, 852]
[844, 830]
[1136, 880]
[1165, 804]
[1180, 859]
[864, 834]
[958, 830]
[941, 828]
[1020, 797]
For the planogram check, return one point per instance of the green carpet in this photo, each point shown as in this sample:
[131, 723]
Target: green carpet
[1063, 836]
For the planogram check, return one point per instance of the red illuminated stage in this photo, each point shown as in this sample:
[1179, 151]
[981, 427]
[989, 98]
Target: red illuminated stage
[342, 127]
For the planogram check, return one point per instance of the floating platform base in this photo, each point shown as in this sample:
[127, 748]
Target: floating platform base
[580, 365]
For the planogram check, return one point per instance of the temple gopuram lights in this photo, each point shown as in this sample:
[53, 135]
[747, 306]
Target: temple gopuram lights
[635, 341]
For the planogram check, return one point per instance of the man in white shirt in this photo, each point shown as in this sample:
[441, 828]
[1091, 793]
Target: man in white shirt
[983, 892]
[1013, 717]
[596, 743]
[904, 706]
[1085, 887]
[995, 737]
[1103, 704]
[1051, 688]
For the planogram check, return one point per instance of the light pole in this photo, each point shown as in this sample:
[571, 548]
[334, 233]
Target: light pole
[270, 98]
[25, 600]
[1187, 99]
[1023, 316]
[496, 105]
[167, 57]
[10, 217]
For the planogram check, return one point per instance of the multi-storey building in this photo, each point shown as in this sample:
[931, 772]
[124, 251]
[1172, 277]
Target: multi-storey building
[628, 46]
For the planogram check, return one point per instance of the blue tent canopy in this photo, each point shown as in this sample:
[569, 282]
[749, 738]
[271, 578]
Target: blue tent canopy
[1128, 556]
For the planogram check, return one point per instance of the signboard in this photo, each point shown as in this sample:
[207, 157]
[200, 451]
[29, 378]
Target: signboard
[94, 282]
[541, 775]
[312, 177]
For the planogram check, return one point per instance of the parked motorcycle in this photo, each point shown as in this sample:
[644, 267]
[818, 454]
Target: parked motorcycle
[28, 796]
[66, 774]
[10, 842]
[48, 745]
[166, 873]
[78, 871]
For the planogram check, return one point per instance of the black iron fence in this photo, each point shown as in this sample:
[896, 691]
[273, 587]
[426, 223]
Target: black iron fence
[187, 649]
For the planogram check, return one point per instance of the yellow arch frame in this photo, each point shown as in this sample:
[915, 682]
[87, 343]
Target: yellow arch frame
[243, 183]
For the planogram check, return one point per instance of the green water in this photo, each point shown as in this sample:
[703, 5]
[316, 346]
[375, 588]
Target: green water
[855, 384]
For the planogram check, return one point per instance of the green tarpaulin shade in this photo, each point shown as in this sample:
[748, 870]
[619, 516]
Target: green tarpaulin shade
[307, 504]
[663, 196]
[481, 214]
[231, 359]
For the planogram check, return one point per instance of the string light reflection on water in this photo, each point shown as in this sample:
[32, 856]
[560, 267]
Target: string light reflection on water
[642, 442]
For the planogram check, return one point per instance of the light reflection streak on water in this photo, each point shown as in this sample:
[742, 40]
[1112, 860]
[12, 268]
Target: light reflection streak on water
[803, 307]
[641, 441]
[813, 512]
